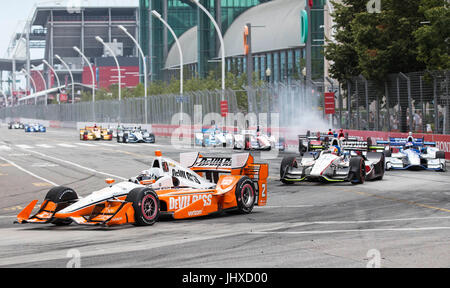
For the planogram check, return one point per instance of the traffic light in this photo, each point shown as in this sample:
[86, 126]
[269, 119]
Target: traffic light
[246, 42]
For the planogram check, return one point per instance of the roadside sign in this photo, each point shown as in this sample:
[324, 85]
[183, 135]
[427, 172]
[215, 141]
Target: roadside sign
[224, 108]
[63, 97]
[330, 104]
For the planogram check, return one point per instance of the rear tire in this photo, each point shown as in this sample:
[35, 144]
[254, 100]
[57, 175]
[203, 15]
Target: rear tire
[59, 195]
[146, 206]
[286, 163]
[357, 171]
[245, 195]
[440, 155]
[247, 143]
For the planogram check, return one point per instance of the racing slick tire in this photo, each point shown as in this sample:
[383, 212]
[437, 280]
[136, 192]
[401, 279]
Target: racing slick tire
[60, 195]
[146, 206]
[357, 174]
[247, 145]
[381, 168]
[369, 143]
[286, 163]
[125, 138]
[245, 195]
[440, 155]
[301, 148]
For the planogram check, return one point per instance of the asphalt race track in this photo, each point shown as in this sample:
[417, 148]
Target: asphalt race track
[405, 217]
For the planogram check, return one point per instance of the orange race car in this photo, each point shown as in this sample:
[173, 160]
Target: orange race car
[96, 133]
[198, 186]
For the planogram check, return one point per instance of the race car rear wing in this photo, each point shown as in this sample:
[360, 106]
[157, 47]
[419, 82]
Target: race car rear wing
[239, 164]
[321, 137]
[354, 145]
[400, 142]
[199, 163]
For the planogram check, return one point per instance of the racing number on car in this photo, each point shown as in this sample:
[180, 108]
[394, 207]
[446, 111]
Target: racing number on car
[263, 193]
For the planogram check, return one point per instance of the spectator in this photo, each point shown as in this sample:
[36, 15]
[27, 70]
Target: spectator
[418, 121]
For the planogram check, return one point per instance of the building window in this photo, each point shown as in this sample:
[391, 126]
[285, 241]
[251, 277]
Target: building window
[262, 67]
[283, 67]
[270, 64]
[290, 64]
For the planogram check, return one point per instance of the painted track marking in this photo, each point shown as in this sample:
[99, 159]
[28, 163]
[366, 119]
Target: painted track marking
[29, 172]
[414, 229]
[79, 166]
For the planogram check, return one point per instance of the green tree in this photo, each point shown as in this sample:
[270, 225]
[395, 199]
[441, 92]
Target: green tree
[375, 45]
[342, 53]
[433, 38]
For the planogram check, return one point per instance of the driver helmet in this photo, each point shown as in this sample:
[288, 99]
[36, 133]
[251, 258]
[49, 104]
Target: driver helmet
[335, 150]
[409, 145]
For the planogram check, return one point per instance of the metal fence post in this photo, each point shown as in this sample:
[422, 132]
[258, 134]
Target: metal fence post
[349, 104]
[408, 81]
[388, 116]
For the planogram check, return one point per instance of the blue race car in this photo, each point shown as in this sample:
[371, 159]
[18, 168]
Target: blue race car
[413, 154]
[213, 137]
[35, 128]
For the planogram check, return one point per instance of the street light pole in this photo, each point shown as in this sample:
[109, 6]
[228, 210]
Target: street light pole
[71, 76]
[222, 42]
[99, 39]
[43, 80]
[157, 15]
[144, 62]
[93, 78]
[6, 98]
[34, 84]
[57, 78]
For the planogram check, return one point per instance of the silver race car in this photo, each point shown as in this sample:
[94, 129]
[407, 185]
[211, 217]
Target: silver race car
[134, 135]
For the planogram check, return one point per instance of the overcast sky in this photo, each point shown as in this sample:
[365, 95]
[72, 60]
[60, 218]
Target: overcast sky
[12, 19]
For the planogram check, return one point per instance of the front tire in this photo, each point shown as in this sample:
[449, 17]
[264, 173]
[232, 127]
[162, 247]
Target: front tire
[63, 197]
[146, 206]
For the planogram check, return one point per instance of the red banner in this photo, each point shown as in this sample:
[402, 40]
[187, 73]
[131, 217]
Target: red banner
[330, 104]
[224, 108]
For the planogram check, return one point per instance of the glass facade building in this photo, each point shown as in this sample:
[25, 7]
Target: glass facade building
[183, 15]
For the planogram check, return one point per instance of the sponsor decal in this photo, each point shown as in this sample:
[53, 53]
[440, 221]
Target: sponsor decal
[227, 181]
[195, 213]
[185, 175]
[213, 162]
[181, 202]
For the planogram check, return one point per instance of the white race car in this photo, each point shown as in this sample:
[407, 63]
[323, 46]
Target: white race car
[341, 161]
[256, 140]
[198, 186]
